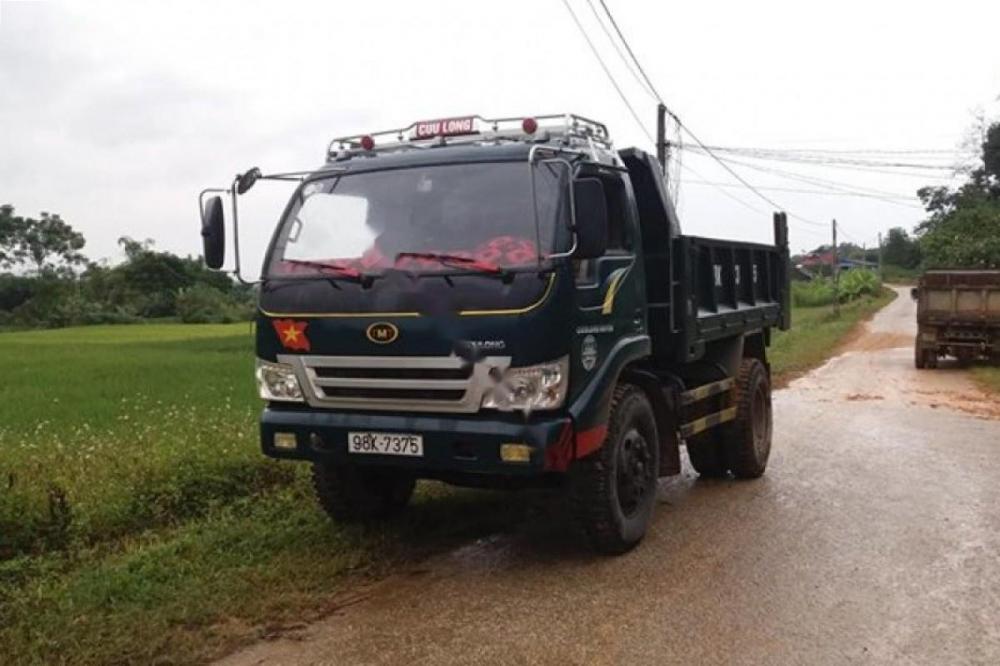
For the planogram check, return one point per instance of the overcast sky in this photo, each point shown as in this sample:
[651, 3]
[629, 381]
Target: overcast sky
[115, 114]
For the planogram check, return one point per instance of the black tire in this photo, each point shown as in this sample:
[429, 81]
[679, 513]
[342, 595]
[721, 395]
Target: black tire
[353, 494]
[919, 359]
[748, 438]
[707, 455]
[930, 358]
[613, 490]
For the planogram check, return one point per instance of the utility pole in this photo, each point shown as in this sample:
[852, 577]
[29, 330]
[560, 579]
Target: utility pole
[880, 255]
[836, 274]
[661, 138]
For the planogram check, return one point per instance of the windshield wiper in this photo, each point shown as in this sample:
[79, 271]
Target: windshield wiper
[340, 271]
[444, 258]
[347, 271]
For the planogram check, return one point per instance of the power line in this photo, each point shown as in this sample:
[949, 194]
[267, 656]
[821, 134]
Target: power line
[724, 192]
[890, 197]
[634, 59]
[850, 167]
[782, 156]
[607, 71]
[730, 195]
[624, 59]
[683, 126]
[795, 190]
[854, 151]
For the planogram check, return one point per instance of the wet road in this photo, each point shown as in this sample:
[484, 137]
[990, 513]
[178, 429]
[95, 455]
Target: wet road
[873, 538]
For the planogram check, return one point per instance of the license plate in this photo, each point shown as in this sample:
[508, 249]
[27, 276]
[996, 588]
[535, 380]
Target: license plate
[385, 443]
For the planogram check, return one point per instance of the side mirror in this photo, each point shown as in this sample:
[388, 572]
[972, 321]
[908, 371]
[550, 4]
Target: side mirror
[213, 233]
[914, 293]
[245, 181]
[591, 223]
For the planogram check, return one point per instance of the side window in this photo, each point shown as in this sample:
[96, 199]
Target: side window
[620, 240]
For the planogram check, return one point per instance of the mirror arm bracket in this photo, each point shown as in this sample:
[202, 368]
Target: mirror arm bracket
[571, 170]
[238, 272]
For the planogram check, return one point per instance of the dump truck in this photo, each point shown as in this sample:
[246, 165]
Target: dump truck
[505, 303]
[958, 315]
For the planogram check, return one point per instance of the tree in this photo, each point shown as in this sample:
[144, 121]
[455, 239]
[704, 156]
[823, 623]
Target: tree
[10, 232]
[901, 250]
[968, 238]
[963, 226]
[48, 243]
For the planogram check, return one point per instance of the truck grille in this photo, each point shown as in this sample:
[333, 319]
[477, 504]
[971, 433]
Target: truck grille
[397, 383]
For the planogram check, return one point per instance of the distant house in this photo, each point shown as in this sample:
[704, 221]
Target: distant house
[817, 260]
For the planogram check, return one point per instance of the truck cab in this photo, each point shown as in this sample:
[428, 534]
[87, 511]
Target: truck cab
[505, 303]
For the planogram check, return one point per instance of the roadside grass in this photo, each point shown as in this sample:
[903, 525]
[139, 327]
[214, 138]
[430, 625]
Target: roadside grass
[988, 378]
[246, 570]
[139, 522]
[815, 333]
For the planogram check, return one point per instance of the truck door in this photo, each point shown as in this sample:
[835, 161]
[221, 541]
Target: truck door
[610, 289]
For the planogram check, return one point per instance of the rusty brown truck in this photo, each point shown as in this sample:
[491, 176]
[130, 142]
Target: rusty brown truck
[958, 315]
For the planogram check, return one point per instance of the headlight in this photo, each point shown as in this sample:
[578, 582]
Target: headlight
[277, 381]
[533, 387]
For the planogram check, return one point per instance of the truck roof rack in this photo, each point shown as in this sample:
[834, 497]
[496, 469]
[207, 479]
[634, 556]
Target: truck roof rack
[567, 129]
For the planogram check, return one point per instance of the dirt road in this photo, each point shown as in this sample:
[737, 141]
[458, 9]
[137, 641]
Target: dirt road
[873, 538]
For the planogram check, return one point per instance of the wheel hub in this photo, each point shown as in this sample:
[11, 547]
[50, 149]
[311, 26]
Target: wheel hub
[634, 471]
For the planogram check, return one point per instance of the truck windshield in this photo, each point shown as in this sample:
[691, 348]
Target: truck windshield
[424, 219]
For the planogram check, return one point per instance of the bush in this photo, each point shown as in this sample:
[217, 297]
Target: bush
[57, 302]
[814, 293]
[857, 283]
[202, 304]
[15, 290]
[820, 291]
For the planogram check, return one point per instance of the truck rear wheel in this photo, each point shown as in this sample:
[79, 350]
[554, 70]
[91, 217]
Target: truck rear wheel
[613, 490]
[353, 494]
[748, 437]
[919, 359]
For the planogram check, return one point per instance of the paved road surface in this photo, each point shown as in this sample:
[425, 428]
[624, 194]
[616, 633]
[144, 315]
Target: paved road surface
[874, 538]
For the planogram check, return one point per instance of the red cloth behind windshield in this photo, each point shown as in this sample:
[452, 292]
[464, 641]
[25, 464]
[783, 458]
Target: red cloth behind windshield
[505, 251]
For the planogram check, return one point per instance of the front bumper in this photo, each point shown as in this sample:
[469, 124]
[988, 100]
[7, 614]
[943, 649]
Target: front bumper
[452, 444]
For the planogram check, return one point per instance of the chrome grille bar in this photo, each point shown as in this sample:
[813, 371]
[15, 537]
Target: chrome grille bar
[406, 392]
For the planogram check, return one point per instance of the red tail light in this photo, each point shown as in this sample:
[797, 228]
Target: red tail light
[529, 125]
[367, 142]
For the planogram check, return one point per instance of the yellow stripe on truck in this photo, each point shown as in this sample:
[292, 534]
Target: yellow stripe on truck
[609, 297]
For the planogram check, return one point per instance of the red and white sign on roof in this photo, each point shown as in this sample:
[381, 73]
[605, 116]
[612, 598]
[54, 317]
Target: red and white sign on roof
[445, 127]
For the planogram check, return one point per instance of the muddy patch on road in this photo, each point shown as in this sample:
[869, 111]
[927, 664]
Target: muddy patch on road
[867, 340]
[972, 402]
[855, 397]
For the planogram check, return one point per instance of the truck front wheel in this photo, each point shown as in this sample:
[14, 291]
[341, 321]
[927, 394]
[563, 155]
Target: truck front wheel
[748, 438]
[613, 490]
[353, 494]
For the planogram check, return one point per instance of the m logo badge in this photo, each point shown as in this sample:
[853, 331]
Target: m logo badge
[382, 333]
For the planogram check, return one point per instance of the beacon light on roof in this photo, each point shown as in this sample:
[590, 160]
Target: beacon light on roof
[569, 130]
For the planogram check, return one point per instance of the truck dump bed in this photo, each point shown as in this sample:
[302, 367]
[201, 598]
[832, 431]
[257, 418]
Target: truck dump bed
[958, 314]
[965, 297]
[704, 289]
